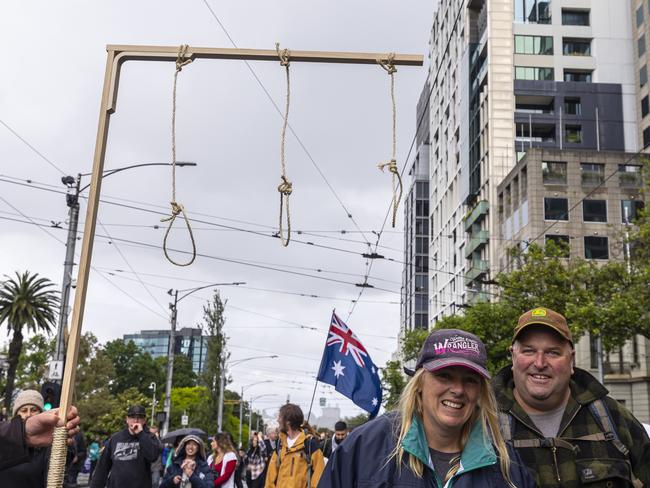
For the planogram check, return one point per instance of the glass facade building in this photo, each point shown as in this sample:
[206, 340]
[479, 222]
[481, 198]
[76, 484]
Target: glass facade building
[187, 341]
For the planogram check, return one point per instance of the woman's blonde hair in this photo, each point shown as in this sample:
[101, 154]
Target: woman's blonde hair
[224, 443]
[410, 404]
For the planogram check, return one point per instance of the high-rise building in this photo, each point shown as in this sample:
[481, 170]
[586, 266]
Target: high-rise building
[641, 29]
[508, 76]
[415, 278]
[583, 200]
[188, 341]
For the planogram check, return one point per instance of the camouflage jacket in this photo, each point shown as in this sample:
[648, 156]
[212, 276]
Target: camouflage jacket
[588, 463]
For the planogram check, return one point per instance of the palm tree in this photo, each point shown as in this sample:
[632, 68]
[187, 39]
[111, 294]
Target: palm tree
[25, 301]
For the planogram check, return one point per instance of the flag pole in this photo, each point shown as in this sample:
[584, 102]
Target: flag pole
[311, 405]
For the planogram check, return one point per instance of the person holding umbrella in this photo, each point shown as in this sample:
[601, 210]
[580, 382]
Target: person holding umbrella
[190, 468]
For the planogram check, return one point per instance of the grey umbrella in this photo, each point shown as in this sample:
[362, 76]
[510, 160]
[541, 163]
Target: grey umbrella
[171, 436]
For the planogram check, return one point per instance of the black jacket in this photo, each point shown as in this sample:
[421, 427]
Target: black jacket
[362, 461]
[13, 448]
[126, 461]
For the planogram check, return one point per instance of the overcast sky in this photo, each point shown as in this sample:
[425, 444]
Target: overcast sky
[50, 89]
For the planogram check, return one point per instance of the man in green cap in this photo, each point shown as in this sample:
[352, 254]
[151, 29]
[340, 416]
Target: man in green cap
[566, 428]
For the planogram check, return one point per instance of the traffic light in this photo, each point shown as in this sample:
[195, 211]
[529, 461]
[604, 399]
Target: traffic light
[51, 395]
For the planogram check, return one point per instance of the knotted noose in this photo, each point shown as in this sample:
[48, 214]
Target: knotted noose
[58, 454]
[285, 187]
[389, 66]
[177, 208]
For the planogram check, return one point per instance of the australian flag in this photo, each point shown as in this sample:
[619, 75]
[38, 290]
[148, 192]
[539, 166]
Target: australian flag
[347, 365]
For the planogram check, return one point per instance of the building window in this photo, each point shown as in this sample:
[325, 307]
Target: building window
[531, 73]
[596, 247]
[629, 175]
[575, 17]
[540, 133]
[630, 210]
[533, 45]
[533, 11]
[639, 16]
[572, 106]
[643, 75]
[646, 137]
[594, 210]
[645, 108]
[421, 264]
[573, 134]
[592, 174]
[422, 226]
[561, 242]
[576, 47]
[641, 45]
[577, 75]
[554, 172]
[556, 209]
[421, 245]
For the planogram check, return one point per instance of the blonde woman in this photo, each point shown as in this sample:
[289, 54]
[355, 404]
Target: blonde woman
[445, 432]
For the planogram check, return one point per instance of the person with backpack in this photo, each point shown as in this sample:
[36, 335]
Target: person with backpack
[297, 461]
[560, 419]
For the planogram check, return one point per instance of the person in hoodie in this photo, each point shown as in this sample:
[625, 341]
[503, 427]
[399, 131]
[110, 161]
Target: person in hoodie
[128, 454]
[189, 468]
[331, 443]
[445, 432]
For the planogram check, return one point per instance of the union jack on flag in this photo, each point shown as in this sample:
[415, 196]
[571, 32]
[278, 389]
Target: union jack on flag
[347, 366]
[340, 333]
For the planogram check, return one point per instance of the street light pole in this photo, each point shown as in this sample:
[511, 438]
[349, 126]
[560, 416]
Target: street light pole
[170, 362]
[170, 350]
[222, 383]
[152, 385]
[241, 405]
[72, 201]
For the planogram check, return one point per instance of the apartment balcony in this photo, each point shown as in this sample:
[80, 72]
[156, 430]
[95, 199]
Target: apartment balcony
[476, 242]
[477, 214]
[478, 297]
[479, 267]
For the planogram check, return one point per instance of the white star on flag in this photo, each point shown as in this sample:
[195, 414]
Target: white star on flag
[374, 402]
[338, 369]
[373, 370]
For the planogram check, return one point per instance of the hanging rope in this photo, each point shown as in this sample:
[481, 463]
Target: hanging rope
[285, 187]
[177, 208]
[389, 66]
[59, 451]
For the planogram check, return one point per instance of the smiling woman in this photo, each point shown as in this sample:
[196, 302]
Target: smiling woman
[445, 430]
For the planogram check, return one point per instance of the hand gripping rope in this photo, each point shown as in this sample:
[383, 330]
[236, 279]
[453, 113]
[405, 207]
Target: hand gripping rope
[285, 188]
[389, 66]
[177, 208]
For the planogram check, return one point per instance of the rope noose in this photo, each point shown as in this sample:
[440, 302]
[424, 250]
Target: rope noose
[389, 66]
[177, 208]
[285, 187]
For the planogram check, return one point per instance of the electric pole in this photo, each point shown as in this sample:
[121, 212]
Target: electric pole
[170, 362]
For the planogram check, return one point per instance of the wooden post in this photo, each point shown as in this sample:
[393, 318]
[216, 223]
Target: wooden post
[118, 54]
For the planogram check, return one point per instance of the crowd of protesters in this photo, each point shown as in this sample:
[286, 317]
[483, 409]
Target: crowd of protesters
[539, 422]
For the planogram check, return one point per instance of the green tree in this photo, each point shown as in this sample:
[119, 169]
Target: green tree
[212, 326]
[183, 376]
[33, 362]
[393, 382]
[95, 371]
[105, 414]
[356, 421]
[26, 302]
[133, 368]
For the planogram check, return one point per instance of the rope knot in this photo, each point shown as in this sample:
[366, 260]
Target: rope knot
[388, 64]
[392, 166]
[182, 58]
[283, 54]
[286, 187]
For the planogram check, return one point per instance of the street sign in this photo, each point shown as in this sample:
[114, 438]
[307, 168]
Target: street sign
[56, 370]
[185, 420]
[323, 401]
[161, 416]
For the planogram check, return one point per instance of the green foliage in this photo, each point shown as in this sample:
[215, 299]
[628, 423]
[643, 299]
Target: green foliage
[26, 302]
[133, 368]
[412, 344]
[183, 376]
[33, 362]
[356, 421]
[393, 382]
[103, 414]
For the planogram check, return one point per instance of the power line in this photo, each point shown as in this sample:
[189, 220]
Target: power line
[92, 267]
[24, 141]
[248, 231]
[277, 108]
